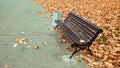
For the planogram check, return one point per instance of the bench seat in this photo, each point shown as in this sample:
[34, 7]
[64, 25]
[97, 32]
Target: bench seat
[79, 32]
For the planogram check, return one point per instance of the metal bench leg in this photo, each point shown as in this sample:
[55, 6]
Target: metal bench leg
[89, 51]
[56, 27]
[74, 52]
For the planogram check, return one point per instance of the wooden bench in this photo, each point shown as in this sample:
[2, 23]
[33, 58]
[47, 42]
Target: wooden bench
[79, 32]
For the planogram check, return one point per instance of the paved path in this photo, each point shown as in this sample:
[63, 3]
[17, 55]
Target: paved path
[20, 19]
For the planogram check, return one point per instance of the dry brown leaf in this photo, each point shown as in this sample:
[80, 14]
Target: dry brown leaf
[20, 41]
[6, 66]
[28, 46]
[36, 47]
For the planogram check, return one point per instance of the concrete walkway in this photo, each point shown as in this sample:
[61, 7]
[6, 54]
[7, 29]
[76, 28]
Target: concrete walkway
[20, 19]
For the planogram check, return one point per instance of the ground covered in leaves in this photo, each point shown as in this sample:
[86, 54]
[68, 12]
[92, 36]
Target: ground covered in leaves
[105, 14]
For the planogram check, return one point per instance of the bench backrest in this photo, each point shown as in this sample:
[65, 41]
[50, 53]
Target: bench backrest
[85, 31]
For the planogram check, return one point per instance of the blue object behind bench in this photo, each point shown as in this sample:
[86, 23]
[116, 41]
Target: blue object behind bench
[56, 16]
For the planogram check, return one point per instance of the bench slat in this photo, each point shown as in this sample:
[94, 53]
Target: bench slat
[80, 29]
[93, 26]
[67, 36]
[73, 36]
[86, 28]
[67, 33]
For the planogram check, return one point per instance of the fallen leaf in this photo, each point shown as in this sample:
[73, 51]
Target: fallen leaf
[6, 66]
[20, 41]
[28, 46]
[36, 47]
[45, 43]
